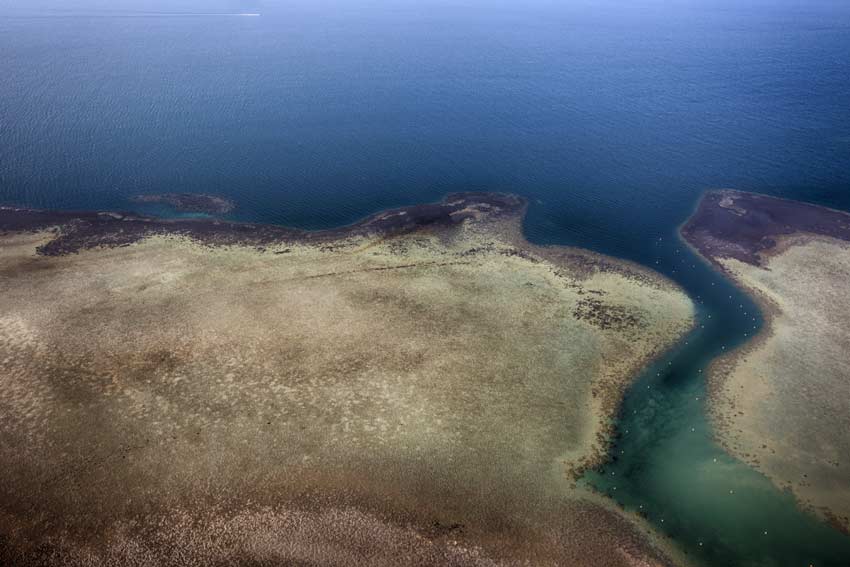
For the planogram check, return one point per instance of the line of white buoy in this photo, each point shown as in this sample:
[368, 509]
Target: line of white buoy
[699, 298]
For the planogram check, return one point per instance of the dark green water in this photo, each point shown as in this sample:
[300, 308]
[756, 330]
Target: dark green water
[612, 117]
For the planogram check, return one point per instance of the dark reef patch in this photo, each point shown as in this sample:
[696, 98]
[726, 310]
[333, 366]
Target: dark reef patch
[83, 230]
[189, 202]
[734, 224]
[607, 316]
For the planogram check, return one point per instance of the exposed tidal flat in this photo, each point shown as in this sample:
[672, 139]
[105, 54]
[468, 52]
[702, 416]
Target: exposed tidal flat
[421, 387]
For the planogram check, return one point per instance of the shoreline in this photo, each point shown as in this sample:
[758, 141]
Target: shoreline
[91, 229]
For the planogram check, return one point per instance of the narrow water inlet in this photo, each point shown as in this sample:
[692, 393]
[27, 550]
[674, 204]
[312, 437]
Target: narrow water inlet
[666, 465]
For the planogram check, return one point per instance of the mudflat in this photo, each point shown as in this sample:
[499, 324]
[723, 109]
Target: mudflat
[782, 402]
[419, 388]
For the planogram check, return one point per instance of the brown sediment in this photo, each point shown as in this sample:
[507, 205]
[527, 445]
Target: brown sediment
[189, 202]
[411, 389]
[780, 402]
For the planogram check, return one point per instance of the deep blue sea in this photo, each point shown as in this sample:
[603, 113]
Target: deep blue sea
[611, 116]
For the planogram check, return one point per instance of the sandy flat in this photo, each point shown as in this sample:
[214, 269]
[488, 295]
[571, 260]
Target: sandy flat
[422, 397]
[784, 404]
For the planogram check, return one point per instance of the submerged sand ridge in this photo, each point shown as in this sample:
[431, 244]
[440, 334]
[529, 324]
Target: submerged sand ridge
[416, 388]
[782, 403]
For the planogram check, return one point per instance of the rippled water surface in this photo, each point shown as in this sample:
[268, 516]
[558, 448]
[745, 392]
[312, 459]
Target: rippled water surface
[612, 117]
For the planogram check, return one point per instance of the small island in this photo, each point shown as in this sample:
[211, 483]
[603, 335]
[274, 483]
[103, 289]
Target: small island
[189, 202]
[782, 402]
[423, 387]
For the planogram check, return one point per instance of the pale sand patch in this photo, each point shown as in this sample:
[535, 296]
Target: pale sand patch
[421, 397]
[783, 402]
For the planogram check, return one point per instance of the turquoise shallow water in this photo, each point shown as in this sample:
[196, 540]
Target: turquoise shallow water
[665, 465]
[611, 116]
